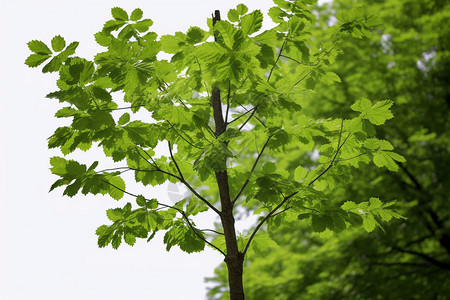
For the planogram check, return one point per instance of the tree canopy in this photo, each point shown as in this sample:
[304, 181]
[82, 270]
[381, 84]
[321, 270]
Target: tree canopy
[406, 59]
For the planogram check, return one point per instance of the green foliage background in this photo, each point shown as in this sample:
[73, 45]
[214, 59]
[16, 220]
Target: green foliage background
[406, 59]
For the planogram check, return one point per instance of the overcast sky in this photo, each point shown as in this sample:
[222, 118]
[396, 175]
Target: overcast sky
[48, 246]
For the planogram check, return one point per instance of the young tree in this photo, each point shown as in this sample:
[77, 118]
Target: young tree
[227, 106]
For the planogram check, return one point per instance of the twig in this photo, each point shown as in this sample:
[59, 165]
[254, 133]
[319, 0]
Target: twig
[237, 118]
[276, 61]
[212, 231]
[174, 161]
[199, 235]
[173, 127]
[248, 119]
[228, 102]
[335, 155]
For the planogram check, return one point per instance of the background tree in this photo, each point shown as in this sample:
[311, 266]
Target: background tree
[228, 108]
[405, 59]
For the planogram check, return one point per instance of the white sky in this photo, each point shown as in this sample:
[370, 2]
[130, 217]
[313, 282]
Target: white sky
[48, 246]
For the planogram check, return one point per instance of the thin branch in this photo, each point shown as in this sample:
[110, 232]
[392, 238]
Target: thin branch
[248, 119]
[90, 94]
[199, 235]
[335, 155]
[301, 79]
[276, 61]
[212, 231]
[173, 127]
[237, 118]
[113, 169]
[411, 177]
[122, 108]
[265, 219]
[399, 264]
[251, 172]
[287, 208]
[440, 264]
[301, 63]
[228, 102]
[174, 161]
[262, 123]
[312, 209]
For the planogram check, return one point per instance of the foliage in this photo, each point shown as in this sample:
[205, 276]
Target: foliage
[228, 105]
[407, 60]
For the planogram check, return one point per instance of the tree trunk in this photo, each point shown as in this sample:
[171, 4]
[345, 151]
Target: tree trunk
[234, 259]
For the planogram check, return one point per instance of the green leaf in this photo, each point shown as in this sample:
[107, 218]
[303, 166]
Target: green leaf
[375, 203]
[117, 188]
[144, 25]
[241, 9]
[384, 159]
[233, 15]
[117, 239]
[140, 200]
[226, 32]
[300, 173]
[35, 60]
[252, 22]
[119, 14]
[377, 114]
[103, 38]
[152, 204]
[136, 14]
[58, 43]
[124, 119]
[115, 214]
[349, 205]
[185, 238]
[318, 223]
[195, 35]
[39, 47]
[369, 222]
[129, 238]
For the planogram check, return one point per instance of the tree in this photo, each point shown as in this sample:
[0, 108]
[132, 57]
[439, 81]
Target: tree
[228, 108]
[404, 59]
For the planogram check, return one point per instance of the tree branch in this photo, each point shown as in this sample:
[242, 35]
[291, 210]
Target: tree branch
[248, 119]
[174, 161]
[440, 264]
[335, 155]
[228, 102]
[265, 219]
[251, 171]
[173, 127]
[195, 231]
[237, 118]
[276, 61]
